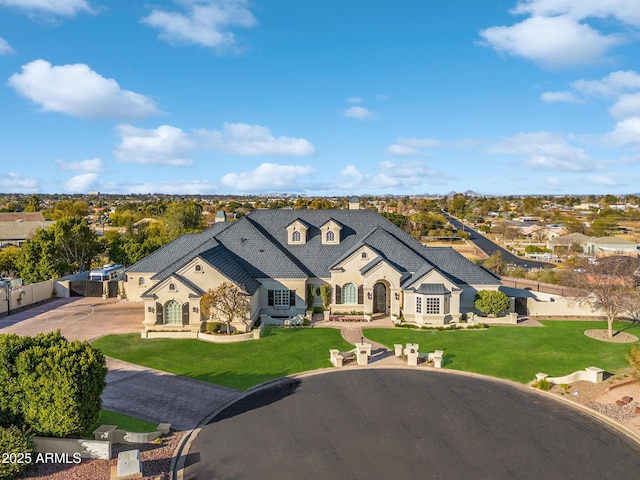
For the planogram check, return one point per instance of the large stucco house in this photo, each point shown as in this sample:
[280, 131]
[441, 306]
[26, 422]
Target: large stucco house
[279, 256]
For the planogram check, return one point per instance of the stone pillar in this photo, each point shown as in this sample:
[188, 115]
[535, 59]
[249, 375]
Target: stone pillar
[595, 374]
[412, 354]
[398, 349]
[437, 358]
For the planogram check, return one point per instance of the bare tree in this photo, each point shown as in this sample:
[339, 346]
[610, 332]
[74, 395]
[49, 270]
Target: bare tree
[607, 287]
[228, 302]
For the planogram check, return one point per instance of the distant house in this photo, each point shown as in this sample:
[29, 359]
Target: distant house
[16, 228]
[610, 245]
[565, 241]
[282, 257]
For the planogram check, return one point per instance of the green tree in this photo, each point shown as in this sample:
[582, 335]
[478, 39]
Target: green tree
[67, 208]
[227, 302]
[69, 246]
[603, 226]
[495, 263]
[183, 217]
[33, 204]
[8, 258]
[491, 302]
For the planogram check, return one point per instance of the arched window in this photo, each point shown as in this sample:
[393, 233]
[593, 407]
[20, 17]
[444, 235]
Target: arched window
[296, 236]
[141, 281]
[349, 293]
[198, 268]
[172, 286]
[364, 255]
[331, 237]
[172, 313]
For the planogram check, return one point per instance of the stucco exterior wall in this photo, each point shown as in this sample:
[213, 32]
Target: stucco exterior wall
[297, 284]
[133, 287]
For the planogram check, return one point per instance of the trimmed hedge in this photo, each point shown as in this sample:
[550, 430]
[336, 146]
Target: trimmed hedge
[491, 302]
[50, 386]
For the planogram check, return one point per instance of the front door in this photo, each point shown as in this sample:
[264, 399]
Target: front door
[379, 298]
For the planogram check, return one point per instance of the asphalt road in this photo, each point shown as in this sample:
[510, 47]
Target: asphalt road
[394, 424]
[489, 247]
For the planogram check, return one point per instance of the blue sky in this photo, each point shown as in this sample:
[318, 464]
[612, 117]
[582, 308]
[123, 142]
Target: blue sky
[320, 97]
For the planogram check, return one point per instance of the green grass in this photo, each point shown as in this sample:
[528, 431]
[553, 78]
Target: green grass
[241, 365]
[518, 353]
[124, 422]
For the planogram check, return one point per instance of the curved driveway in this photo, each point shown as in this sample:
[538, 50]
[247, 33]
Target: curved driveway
[377, 423]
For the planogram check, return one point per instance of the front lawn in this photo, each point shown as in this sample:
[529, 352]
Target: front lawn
[241, 365]
[123, 422]
[518, 353]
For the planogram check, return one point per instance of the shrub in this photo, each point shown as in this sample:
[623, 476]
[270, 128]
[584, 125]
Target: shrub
[633, 357]
[16, 442]
[325, 293]
[213, 327]
[543, 384]
[491, 302]
[50, 386]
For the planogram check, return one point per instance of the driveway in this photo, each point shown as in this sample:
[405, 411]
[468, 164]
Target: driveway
[131, 389]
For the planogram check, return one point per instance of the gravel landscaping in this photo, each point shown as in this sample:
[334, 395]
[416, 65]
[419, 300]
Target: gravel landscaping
[156, 463]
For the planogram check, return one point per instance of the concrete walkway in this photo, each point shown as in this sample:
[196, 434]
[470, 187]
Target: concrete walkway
[379, 353]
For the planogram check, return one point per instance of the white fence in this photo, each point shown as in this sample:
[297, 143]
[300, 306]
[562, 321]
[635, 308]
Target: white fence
[16, 297]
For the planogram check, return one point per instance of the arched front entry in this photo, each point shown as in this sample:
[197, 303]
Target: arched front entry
[380, 298]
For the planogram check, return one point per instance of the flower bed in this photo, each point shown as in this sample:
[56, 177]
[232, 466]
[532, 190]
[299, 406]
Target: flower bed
[346, 318]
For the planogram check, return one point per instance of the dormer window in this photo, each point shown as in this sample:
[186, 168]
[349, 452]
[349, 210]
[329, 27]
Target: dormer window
[297, 232]
[331, 232]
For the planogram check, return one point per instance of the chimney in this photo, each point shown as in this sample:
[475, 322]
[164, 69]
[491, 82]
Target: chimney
[354, 203]
[221, 217]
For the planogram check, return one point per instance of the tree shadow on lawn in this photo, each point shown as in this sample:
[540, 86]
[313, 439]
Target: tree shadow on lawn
[273, 393]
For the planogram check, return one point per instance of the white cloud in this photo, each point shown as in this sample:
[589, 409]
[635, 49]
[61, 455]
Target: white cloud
[611, 86]
[552, 41]
[418, 142]
[360, 113]
[65, 8]
[606, 180]
[626, 133]
[544, 150]
[406, 147]
[390, 175]
[402, 150]
[268, 177]
[93, 165]
[627, 106]
[5, 48]
[253, 140]
[552, 97]
[355, 100]
[80, 183]
[165, 145]
[203, 22]
[78, 91]
[177, 187]
[11, 182]
[625, 11]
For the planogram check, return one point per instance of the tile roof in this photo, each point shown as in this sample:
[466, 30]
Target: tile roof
[256, 246]
[432, 289]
